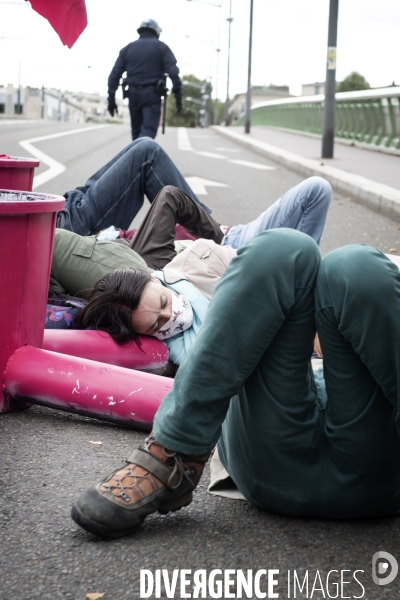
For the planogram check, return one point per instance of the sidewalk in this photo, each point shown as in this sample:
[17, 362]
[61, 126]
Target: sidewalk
[368, 177]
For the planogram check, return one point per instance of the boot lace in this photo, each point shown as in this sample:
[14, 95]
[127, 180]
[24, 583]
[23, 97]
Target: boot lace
[179, 470]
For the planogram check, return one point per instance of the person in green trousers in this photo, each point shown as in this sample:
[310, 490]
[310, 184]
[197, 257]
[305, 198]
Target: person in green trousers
[247, 384]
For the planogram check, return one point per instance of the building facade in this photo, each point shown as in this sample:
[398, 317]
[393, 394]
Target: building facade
[56, 105]
[259, 93]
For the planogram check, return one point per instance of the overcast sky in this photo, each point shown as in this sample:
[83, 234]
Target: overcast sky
[289, 42]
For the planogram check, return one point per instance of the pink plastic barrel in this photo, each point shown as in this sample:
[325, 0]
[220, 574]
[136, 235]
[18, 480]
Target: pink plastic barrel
[27, 224]
[16, 173]
[86, 387]
[151, 355]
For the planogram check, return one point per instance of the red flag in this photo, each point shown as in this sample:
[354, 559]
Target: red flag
[67, 17]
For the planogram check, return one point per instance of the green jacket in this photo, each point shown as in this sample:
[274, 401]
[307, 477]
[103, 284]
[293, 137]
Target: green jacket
[79, 262]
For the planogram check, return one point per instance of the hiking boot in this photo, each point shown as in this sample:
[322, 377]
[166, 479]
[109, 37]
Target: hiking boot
[154, 479]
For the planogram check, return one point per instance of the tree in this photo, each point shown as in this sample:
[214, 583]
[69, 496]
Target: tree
[189, 117]
[352, 83]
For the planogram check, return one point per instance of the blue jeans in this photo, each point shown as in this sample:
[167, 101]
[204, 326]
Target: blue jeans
[115, 194]
[303, 207]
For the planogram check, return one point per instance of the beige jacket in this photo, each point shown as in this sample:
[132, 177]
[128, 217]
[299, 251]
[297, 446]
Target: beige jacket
[203, 263]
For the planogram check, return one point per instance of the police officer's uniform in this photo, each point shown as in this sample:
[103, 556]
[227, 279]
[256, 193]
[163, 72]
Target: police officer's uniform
[145, 61]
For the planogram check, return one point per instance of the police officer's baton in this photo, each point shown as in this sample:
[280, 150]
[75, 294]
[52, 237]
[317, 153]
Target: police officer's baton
[163, 91]
[164, 112]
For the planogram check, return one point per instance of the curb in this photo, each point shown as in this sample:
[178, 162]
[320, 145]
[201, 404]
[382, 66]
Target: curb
[375, 196]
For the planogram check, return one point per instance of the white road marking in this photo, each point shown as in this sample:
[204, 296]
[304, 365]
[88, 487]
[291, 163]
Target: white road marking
[55, 167]
[228, 149]
[198, 185]
[253, 165]
[184, 140]
[210, 154]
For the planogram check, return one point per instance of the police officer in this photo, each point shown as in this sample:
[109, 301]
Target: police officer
[145, 61]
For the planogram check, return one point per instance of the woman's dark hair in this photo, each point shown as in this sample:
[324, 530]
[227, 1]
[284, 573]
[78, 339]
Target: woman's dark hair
[112, 301]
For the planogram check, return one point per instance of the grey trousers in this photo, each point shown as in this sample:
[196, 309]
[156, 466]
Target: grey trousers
[154, 240]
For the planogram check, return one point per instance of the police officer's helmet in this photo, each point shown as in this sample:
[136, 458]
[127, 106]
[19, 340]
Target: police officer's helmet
[150, 24]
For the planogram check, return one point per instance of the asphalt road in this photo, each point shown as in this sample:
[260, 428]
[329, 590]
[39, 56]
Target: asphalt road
[248, 190]
[48, 457]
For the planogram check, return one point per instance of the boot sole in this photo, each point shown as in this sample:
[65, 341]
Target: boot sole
[104, 532]
[97, 528]
[177, 504]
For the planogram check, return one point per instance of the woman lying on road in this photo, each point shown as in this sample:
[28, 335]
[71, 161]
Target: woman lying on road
[248, 385]
[171, 304]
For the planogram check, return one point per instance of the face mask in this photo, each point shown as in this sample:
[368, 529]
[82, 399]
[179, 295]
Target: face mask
[181, 319]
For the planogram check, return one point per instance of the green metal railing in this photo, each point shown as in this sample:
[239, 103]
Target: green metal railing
[368, 118]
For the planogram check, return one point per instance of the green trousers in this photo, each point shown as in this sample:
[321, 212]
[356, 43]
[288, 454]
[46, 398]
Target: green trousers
[247, 383]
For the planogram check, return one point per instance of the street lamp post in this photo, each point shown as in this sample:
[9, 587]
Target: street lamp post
[19, 108]
[43, 103]
[216, 90]
[248, 95]
[330, 83]
[229, 19]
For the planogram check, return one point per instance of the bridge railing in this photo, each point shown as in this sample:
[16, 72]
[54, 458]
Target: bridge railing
[369, 118]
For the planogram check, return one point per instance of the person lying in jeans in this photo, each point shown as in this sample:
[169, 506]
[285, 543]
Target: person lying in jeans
[79, 262]
[115, 193]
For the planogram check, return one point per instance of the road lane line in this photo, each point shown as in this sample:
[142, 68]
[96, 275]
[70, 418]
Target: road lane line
[198, 185]
[55, 167]
[210, 154]
[252, 165]
[184, 140]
